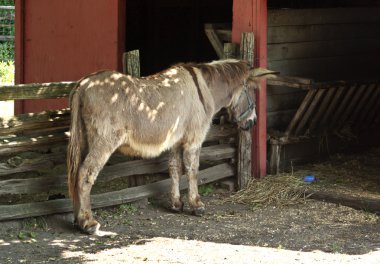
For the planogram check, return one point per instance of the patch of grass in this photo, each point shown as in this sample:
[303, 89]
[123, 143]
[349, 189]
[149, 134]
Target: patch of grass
[127, 208]
[334, 247]
[206, 189]
[22, 235]
[35, 223]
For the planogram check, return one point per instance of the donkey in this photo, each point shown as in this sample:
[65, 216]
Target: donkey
[145, 116]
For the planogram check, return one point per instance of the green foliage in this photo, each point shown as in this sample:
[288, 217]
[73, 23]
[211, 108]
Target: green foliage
[127, 208]
[7, 71]
[7, 2]
[206, 189]
[7, 51]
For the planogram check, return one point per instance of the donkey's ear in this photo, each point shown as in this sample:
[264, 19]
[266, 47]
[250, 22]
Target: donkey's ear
[263, 73]
[258, 74]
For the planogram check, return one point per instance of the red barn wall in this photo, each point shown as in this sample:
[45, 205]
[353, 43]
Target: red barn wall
[65, 40]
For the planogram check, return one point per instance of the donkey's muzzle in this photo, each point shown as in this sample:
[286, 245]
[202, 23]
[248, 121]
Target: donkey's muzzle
[248, 125]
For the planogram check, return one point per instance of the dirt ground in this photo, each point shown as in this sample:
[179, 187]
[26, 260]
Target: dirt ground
[313, 232]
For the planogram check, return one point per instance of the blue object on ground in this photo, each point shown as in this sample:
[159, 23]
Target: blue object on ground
[309, 178]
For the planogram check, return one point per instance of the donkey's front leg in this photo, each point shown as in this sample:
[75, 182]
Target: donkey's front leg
[175, 171]
[191, 162]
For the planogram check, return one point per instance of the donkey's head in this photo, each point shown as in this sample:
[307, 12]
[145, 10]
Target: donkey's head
[243, 105]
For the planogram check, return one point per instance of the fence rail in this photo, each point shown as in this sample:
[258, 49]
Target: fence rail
[33, 153]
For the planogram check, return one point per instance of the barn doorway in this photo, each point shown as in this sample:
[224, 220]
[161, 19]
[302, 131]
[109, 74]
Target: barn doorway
[167, 32]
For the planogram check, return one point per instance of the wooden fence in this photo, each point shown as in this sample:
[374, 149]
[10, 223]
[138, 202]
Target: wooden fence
[7, 17]
[33, 154]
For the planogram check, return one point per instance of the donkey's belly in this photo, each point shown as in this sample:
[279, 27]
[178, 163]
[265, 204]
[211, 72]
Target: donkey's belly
[136, 148]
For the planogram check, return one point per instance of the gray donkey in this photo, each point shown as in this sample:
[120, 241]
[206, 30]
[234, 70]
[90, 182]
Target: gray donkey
[145, 116]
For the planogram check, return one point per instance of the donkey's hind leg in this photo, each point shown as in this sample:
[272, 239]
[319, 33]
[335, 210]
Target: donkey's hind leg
[191, 162]
[96, 158]
[175, 171]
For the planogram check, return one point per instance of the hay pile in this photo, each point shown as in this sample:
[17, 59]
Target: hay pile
[278, 190]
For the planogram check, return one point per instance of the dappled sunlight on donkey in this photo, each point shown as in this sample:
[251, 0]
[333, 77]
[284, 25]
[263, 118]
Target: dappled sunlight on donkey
[145, 116]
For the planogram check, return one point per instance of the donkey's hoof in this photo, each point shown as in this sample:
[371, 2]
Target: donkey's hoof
[92, 228]
[200, 211]
[177, 208]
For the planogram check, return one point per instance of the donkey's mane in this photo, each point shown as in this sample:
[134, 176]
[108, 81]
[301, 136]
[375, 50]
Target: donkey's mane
[230, 71]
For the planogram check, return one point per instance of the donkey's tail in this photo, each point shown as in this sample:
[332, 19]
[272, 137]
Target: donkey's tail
[76, 143]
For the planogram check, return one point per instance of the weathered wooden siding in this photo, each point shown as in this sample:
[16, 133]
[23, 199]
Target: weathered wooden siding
[322, 44]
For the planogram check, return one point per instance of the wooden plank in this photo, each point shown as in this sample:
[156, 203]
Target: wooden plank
[18, 211]
[18, 164]
[322, 109]
[224, 34]
[18, 144]
[281, 90]
[360, 203]
[330, 68]
[32, 121]
[300, 112]
[303, 33]
[36, 91]
[340, 108]
[282, 17]
[214, 39]
[294, 82]
[323, 48]
[123, 169]
[352, 104]
[370, 106]
[301, 127]
[369, 91]
[332, 107]
[275, 158]
[373, 117]
[11, 146]
[223, 31]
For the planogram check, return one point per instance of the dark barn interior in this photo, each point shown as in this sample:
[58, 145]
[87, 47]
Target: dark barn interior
[169, 31]
[335, 46]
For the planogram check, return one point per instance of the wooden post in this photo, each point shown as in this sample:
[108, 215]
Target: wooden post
[131, 63]
[251, 16]
[244, 166]
[231, 51]
[131, 66]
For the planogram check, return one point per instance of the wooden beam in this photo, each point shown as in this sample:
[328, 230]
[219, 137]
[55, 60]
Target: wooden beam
[301, 126]
[214, 39]
[302, 33]
[111, 172]
[360, 203]
[300, 112]
[18, 211]
[36, 91]
[32, 121]
[294, 82]
[14, 145]
[290, 17]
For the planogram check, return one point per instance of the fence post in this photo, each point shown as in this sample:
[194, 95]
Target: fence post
[244, 166]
